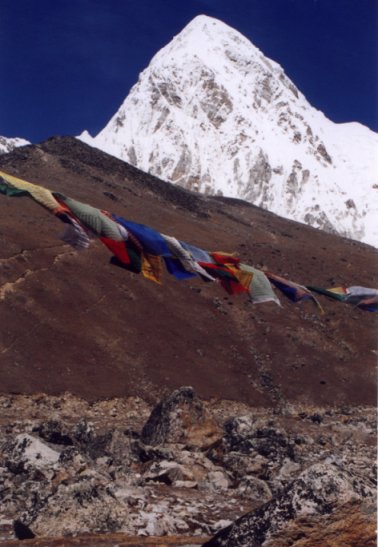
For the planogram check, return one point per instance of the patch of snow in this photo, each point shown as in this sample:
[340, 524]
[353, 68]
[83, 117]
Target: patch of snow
[8, 144]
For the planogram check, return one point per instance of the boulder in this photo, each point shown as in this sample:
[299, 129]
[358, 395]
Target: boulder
[244, 435]
[241, 465]
[89, 442]
[318, 490]
[28, 450]
[351, 525]
[181, 418]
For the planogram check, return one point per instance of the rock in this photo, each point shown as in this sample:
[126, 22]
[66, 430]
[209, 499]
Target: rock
[71, 457]
[181, 418]
[198, 464]
[241, 465]
[85, 437]
[244, 435]
[84, 504]
[238, 429]
[256, 447]
[273, 444]
[316, 418]
[351, 525]
[186, 484]
[119, 447]
[53, 432]
[286, 474]
[221, 524]
[110, 481]
[167, 472]
[146, 453]
[61, 477]
[255, 489]
[28, 450]
[217, 480]
[22, 531]
[317, 491]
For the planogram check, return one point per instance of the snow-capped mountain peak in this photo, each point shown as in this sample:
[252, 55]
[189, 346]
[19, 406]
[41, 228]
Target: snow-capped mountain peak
[8, 144]
[213, 114]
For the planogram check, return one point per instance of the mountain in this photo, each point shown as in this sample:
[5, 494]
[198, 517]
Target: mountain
[9, 144]
[211, 113]
[73, 322]
[278, 430]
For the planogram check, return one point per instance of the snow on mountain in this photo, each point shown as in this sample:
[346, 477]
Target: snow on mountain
[213, 114]
[9, 144]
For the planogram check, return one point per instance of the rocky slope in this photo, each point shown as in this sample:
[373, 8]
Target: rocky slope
[115, 473]
[213, 114]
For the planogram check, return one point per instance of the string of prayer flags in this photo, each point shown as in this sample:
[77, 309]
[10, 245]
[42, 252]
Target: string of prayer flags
[362, 297]
[294, 291]
[141, 249]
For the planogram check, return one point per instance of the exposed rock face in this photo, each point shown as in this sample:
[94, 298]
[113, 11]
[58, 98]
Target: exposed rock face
[212, 113]
[86, 470]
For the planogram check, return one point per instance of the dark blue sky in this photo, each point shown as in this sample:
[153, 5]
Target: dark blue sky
[67, 65]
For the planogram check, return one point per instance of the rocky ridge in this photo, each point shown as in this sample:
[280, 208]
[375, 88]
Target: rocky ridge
[185, 468]
[213, 114]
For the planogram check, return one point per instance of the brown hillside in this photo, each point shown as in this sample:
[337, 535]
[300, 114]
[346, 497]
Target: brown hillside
[72, 322]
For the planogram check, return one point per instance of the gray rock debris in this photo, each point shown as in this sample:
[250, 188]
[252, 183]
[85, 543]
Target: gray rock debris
[63, 475]
[317, 490]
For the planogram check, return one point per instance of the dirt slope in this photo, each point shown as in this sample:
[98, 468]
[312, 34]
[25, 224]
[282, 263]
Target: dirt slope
[72, 322]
